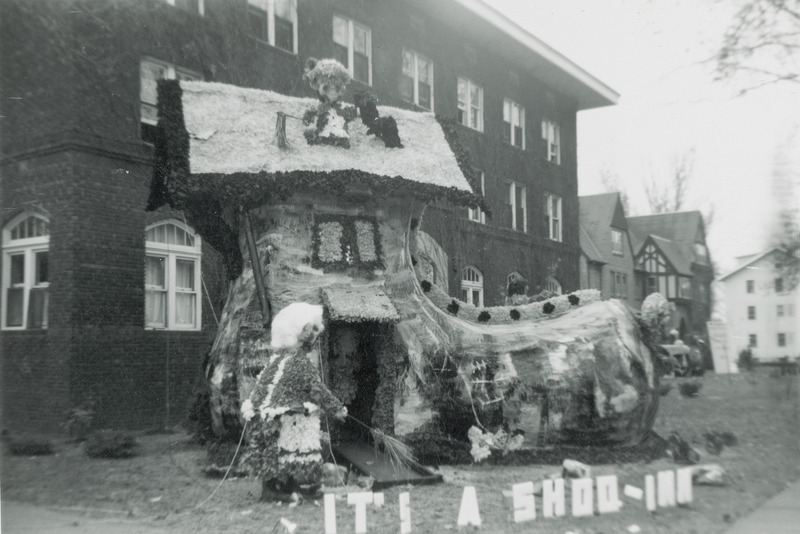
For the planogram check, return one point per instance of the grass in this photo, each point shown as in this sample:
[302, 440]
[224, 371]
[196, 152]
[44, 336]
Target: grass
[164, 485]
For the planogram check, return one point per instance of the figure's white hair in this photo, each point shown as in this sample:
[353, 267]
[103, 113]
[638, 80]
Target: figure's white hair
[297, 323]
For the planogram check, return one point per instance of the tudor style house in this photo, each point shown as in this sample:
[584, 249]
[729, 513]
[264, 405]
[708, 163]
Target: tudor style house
[672, 258]
[107, 305]
[762, 312]
[607, 260]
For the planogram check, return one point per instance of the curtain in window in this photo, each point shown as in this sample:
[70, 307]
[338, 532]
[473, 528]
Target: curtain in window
[185, 298]
[155, 305]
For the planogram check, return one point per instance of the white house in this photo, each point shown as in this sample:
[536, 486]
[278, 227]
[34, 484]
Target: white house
[761, 312]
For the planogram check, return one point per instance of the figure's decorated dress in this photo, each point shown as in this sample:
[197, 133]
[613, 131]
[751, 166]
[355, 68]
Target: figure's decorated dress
[284, 419]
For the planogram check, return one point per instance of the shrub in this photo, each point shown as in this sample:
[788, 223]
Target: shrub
[78, 421]
[746, 361]
[690, 389]
[110, 444]
[30, 446]
[664, 389]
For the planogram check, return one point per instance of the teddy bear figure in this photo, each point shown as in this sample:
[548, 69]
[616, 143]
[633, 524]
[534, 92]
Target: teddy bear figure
[328, 121]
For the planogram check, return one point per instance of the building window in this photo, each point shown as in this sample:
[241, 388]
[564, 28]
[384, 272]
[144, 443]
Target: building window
[652, 285]
[516, 202]
[700, 253]
[352, 47]
[552, 213]
[195, 6]
[616, 242]
[751, 312]
[753, 340]
[26, 277]
[685, 288]
[416, 83]
[477, 214]
[619, 285]
[781, 339]
[274, 22]
[514, 123]
[781, 310]
[470, 104]
[790, 310]
[552, 136]
[472, 286]
[150, 71]
[172, 277]
[552, 285]
[779, 285]
[751, 286]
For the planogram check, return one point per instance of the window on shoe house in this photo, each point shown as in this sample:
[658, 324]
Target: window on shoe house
[341, 241]
[477, 214]
[352, 47]
[26, 277]
[172, 277]
[552, 137]
[150, 71]
[274, 22]
[472, 286]
[416, 83]
[552, 285]
[470, 104]
[514, 124]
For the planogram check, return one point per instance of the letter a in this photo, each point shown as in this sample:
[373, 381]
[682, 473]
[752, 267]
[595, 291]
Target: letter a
[469, 514]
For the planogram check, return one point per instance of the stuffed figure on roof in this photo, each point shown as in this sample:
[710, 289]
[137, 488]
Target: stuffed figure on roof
[283, 411]
[328, 121]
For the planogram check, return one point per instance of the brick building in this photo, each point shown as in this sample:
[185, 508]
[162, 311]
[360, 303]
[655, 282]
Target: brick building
[104, 301]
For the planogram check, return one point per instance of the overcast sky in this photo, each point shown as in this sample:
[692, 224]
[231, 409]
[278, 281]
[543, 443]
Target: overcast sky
[655, 54]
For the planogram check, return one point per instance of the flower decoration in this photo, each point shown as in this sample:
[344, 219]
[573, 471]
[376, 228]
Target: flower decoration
[548, 308]
[574, 299]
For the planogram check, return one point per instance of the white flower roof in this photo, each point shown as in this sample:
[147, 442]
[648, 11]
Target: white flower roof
[232, 130]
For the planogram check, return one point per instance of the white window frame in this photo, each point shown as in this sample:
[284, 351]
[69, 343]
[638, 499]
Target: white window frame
[351, 25]
[172, 253]
[472, 285]
[27, 247]
[149, 97]
[553, 285]
[551, 133]
[512, 198]
[509, 109]
[617, 242]
[415, 66]
[477, 214]
[554, 217]
[469, 108]
[268, 8]
[201, 6]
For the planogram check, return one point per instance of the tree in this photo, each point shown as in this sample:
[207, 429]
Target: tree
[671, 196]
[611, 183]
[762, 44]
[787, 242]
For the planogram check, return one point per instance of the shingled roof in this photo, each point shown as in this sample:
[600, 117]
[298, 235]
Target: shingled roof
[220, 140]
[680, 227]
[598, 214]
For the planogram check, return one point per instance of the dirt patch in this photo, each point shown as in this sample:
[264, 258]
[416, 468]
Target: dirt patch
[164, 483]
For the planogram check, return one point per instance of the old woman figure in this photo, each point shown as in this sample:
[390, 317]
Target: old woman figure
[283, 410]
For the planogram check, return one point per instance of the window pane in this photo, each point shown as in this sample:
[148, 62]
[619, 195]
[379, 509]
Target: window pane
[475, 95]
[340, 54]
[184, 275]
[408, 63]
[340, 32]
[360, 40]
[185, 308]
[42, 263]
[284, 34]
[155, 271]
[424, 69]
[17, 269]
[407, 88]
[462, 93]
[361, 68]
[257, 22]
[424, 91]
[37, 308]
[476, 298]
[155, 308]
[14, 298]
[284, 9]
[465, 295]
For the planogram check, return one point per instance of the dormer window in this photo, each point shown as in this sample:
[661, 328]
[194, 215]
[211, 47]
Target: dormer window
[616, 242]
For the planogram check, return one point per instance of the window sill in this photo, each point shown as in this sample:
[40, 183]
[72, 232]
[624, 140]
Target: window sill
[266, 44]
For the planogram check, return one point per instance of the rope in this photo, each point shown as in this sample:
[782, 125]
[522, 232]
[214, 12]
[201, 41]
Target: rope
[235, 453]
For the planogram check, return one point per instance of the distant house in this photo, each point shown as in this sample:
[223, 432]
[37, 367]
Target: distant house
[672, 258]
[607, 260]
[761, 312]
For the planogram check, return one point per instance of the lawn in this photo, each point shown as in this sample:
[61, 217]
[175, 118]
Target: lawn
[164, 484]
